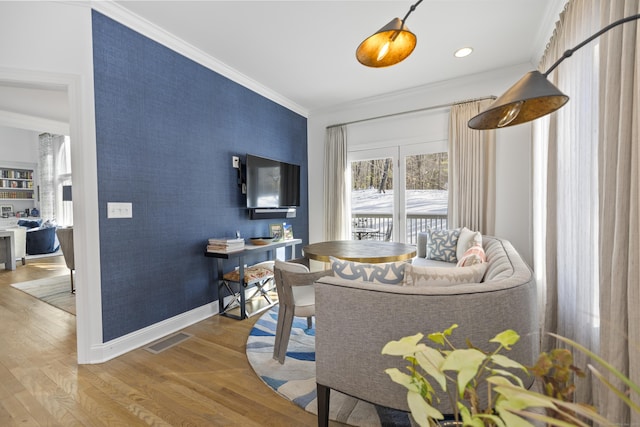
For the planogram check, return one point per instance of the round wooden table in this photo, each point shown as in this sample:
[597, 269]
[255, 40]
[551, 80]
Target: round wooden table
[371, 251]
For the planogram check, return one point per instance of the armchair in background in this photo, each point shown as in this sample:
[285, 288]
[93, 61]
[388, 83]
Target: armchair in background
[65, 236]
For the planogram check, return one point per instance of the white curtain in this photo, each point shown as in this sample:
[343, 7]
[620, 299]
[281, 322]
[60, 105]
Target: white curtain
[619, 160]
[53, 165]
[337, 210]
[566, 190]
[586, 195]
[471, 170]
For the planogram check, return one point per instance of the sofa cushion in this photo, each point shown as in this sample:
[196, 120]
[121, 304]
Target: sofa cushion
[442, 245]
[443, 276]
[30, 223]
[467, 239]
[474, 255]
[390, 273]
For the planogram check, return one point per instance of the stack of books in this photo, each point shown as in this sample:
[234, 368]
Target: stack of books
[225, 244]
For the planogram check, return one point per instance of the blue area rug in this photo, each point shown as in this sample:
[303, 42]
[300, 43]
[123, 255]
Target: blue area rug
[296, 379]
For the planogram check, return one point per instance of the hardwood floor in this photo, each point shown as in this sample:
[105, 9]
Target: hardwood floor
[205, 381]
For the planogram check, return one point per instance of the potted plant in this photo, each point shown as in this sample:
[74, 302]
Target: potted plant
[462, 372]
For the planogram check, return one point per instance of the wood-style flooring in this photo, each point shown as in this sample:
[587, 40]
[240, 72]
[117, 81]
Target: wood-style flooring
[204, 381]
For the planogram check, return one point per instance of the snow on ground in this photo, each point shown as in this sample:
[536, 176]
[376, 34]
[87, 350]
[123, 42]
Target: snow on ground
[418, 201]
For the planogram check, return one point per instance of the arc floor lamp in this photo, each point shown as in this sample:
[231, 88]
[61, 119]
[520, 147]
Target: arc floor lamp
[533, 96]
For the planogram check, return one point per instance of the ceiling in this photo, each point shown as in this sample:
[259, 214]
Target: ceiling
[302, 53]
[305, 50]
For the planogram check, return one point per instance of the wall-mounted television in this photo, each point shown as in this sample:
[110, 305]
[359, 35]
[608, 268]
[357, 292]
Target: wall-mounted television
[271, 183]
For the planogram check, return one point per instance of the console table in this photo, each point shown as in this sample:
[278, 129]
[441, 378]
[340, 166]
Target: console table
[239, 257]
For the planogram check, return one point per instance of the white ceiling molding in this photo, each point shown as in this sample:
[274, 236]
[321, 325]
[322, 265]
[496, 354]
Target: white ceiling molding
[37, 124]
[154, 32]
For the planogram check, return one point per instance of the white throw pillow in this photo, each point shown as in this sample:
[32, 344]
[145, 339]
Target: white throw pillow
[443, 276]
[466, 240]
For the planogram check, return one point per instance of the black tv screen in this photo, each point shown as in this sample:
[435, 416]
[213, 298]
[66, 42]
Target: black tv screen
[271, 183]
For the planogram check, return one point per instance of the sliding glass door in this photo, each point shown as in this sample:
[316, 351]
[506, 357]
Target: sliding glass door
[398, 191]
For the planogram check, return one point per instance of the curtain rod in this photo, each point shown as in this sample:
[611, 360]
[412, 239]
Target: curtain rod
[434, 107]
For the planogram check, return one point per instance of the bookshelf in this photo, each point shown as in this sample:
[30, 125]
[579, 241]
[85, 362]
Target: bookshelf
[16, 184]
[18, 188]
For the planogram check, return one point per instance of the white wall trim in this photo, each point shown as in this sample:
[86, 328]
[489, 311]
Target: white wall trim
[103, 352]
[83, 161]
[154, 32]
[33, 123]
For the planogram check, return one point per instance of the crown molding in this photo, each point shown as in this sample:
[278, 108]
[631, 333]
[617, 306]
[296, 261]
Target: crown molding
[154, 32]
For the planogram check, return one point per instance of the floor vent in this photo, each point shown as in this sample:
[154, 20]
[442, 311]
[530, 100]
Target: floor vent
[167, 342]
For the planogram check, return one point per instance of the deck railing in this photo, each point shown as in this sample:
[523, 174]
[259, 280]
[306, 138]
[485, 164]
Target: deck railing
[416, 223]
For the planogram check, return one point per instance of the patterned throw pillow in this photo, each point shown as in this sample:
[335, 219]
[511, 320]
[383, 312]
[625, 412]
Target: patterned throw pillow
[474, 255]
[443, 276]
[390, 273]
[442, 245]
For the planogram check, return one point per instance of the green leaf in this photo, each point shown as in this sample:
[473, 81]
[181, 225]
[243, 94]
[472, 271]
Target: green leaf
[431, 360]
[467, 418]
[506, 362]
[466, 362]
[439, 337]
[506, 374]
[614, 389]
[403, 379]
[506, 338]
[404, 346]
[421, 411]
[607, 366]
[512, 420]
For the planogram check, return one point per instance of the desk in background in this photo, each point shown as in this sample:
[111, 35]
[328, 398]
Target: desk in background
[7, 249]
[240, 256]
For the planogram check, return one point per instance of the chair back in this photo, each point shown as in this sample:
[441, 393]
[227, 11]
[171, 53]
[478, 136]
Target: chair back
[285, 293]
[65, 237]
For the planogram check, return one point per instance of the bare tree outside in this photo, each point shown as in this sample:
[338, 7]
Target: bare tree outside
[426, 195]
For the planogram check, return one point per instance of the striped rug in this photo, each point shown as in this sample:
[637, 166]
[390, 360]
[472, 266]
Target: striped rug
[295, 379]
[55, 291]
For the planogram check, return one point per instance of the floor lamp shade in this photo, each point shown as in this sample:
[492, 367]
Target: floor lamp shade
[533, 96]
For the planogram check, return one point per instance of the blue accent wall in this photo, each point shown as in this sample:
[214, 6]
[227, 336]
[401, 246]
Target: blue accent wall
[166, 129]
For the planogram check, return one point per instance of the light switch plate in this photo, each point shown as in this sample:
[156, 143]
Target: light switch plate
[119, 210]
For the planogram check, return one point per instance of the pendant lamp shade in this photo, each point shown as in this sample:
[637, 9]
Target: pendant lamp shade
[533, 96]
[390, 45]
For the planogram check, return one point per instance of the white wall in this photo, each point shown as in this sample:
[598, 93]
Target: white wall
[18, 145]
[513, 161]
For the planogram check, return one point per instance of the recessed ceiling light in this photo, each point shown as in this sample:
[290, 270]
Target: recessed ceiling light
[462, 52]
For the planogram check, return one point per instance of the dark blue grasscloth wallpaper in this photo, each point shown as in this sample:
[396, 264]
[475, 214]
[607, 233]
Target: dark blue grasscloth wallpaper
[166, 131]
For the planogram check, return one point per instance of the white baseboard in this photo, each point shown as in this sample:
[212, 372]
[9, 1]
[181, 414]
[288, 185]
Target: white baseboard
[114, 348]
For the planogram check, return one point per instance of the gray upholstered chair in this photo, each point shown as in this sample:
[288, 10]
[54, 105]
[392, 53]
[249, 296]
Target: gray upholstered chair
[355, 319]
[296, 298]
[65, 236]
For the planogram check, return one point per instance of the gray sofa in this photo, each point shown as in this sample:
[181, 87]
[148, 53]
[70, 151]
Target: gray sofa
[355, 319]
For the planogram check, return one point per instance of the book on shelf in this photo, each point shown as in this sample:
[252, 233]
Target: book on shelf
[226, 240]
[225, 245]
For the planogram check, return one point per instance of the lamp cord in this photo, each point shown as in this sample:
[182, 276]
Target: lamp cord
[567, 53]
[411, 9]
